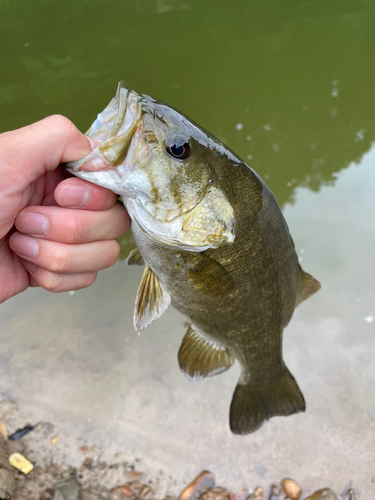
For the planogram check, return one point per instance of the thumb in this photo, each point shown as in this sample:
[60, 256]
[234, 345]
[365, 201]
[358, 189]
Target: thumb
[30, 152]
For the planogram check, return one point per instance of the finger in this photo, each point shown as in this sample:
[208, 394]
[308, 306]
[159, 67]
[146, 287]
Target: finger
[67, 225]
[45, 144]
[77, 193]
[58, 282]
[61, 258]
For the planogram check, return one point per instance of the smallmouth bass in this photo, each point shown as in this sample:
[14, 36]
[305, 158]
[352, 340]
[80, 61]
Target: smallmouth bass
[213, 242]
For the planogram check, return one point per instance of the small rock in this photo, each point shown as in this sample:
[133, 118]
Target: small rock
[53, 440]
[132, 475]
[21, 463]
[216, 493]
[88, 462]
[275, 491]
[203, 482]
[291, 488]
[121, 492]
[259, 492]
[146, 492]
[324, 494]
[351, 494]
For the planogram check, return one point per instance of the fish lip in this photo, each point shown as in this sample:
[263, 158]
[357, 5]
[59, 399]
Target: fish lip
[104, 132]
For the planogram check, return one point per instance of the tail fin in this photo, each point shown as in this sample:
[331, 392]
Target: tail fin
[253, 405]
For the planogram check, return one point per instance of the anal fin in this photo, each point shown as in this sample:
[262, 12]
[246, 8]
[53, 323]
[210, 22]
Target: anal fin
[199, 358]
[307, 287]
[151, 302]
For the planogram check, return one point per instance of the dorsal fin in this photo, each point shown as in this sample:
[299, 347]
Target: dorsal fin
[307, 286]
[151, 302]
[135, 258]
[199, 358]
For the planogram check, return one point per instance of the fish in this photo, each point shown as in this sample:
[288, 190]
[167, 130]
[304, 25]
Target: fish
[214, 244]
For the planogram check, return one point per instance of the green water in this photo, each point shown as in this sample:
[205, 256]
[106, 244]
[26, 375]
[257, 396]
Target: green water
[296, 77]
[290, 84]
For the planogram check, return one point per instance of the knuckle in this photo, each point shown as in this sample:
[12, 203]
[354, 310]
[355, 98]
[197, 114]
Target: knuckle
[114, 253]
[58, 263]
[75, 231]
[51, 282]
[61, 122]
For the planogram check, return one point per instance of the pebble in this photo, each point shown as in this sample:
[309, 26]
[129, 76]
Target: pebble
[88, 463]
[120, 492]
[275, 491]
[133, 474]
[258, 494]
[21, 463]
[291, 488]
[201, 484]
[217, 493]
[146, 492]
[324, 494]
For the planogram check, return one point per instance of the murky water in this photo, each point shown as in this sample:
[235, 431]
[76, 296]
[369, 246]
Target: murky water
[289, 86]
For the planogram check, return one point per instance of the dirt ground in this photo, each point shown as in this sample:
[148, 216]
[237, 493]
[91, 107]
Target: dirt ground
[53, 477]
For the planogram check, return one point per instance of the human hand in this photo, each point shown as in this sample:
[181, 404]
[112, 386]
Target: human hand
[54, 233]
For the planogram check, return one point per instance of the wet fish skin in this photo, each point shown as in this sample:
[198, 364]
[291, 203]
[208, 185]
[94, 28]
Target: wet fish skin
[215, 245]
[262, 263]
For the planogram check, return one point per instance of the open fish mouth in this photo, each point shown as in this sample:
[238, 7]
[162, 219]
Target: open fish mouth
[111, 133]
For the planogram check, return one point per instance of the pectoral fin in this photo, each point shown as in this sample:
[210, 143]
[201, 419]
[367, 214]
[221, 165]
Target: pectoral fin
[307, 287]
[208, 276]
[199, 358]
[151, 302]
[135, 258]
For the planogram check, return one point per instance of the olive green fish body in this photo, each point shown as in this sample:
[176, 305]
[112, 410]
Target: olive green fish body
[247, 318]
[213, 242]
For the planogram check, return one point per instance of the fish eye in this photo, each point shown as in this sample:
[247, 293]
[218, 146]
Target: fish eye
[177, 147]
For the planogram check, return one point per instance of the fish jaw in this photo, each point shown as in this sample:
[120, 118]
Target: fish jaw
[118, 148]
